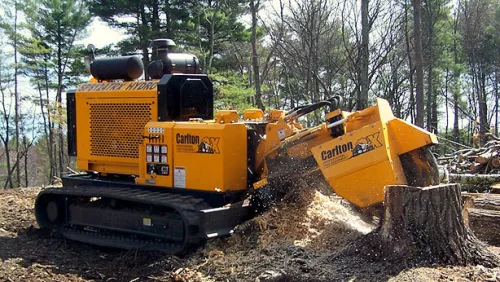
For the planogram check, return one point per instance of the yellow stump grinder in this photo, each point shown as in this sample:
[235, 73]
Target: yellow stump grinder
[161, 171]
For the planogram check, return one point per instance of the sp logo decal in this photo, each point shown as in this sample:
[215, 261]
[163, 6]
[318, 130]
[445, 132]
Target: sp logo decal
[366, 144]
[209, 145]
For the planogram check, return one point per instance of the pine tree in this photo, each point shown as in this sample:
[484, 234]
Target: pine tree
[58, 24]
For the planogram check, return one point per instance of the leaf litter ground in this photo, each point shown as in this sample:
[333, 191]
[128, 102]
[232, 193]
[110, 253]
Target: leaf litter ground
[300, 238]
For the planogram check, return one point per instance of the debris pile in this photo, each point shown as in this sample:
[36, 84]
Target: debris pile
[296, 240]
[476, 169]
[293, 235]
[484, 160]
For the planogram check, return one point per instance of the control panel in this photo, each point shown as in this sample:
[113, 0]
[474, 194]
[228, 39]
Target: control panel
[156, 155]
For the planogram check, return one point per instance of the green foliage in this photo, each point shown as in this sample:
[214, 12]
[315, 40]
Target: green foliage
[55, 25]
[232, 92]
[445, 146]
[196, 26]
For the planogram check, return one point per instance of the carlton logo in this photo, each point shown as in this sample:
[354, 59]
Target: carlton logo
[337, 150]
[187, 139]
[205, 145]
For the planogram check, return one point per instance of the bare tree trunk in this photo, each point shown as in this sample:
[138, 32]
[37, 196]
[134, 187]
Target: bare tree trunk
[25, 148]
[315, 30]
[434, 116]
[46, 128]
[410, 65]
[429, 97]
[155, 21]
[50, 145]
[211, 37]
[417, 6]
[254, 7]
[59, 103]
[16, 100]
[362, 100]
[446, 99]
[496, 100]
[144, 40]
[483, 115]
[168, 14]
[456, 131]
[6, 139]
[8, 182]
[456, 78]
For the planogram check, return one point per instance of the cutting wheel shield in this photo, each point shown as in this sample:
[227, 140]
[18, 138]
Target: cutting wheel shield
[420, 167]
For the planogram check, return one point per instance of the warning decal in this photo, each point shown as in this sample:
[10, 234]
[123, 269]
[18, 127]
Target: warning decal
[179, 177]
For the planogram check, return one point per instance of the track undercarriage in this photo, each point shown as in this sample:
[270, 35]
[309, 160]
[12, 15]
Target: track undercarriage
[125, 216]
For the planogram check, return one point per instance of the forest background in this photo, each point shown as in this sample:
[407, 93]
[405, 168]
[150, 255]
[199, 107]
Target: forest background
[435, 61]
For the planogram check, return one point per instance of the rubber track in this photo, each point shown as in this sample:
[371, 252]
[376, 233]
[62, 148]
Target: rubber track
[187, 206]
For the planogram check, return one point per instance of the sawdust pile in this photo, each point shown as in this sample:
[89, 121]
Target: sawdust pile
[299, 239]
[19, 202]
[293, 235]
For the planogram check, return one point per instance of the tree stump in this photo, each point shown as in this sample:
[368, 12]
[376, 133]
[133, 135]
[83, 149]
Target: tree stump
[483, 215]
[485, 224]
[427, 224]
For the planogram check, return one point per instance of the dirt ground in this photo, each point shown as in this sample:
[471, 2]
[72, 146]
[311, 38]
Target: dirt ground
[291, 242]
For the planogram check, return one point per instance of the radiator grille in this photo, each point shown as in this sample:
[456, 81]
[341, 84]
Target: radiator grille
[116, 128]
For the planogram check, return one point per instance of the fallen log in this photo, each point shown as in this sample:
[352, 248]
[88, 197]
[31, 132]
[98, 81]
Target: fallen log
[484, 158]
[440, 159]
[492, 136]
[474, 182]
[487, 202]
[492, 143]
[495, 188]
[483, 215]
[476, 167]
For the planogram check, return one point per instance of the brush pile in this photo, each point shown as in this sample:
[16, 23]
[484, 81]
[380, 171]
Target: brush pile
[477, 169]
[484, 160]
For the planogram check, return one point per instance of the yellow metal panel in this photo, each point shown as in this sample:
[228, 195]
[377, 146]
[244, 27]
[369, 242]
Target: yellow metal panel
[384, 110]
[210, 156]
[332, 114]
[360, 163]
[408, 137]
[226, 116]
[361, 148]
[381, 112]
[110, 167]
[110, 121]
[274, 115]
[300, 144]
[365, 158]
[252, 114]
[365, 187]
[118, 88]
[275, 133]
[360, 119]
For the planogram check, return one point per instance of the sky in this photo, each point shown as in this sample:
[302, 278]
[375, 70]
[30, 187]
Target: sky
[100, 34]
